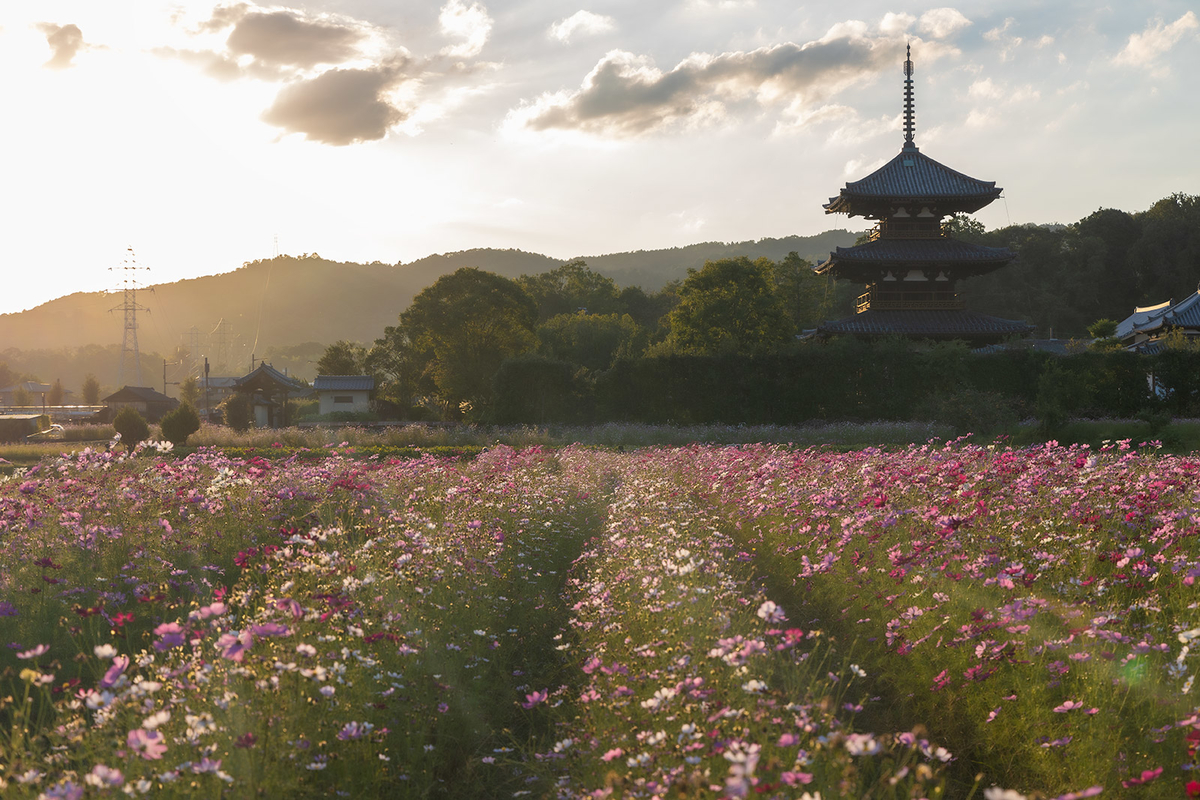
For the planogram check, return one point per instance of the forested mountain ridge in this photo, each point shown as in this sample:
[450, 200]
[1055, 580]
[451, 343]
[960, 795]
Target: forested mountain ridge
[289, 300]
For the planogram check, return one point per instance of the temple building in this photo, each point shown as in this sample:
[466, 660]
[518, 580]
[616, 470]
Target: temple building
[910, 265]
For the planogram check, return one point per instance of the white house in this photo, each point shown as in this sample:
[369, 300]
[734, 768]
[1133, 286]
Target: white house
[350, 393]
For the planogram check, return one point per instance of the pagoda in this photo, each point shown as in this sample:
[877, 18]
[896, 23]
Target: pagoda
[909, 264]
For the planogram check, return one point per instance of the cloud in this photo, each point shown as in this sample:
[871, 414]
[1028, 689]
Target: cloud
[1143, 49]
[896, 23]
[340, 106]
[285, 38]
[942, 22]
[584, 22]
[469, 23]
[627, 95]
[1002, 36]
[65, 41]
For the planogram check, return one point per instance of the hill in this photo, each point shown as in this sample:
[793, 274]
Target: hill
[285, 301]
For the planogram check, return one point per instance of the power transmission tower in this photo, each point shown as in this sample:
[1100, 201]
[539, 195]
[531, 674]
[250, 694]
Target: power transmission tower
[129, 306]
[193, 346]
[218, 342]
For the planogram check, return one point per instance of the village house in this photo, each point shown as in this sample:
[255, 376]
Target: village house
[151, 404]
[344, 393]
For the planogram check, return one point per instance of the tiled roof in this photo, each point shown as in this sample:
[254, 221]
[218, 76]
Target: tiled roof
[914, 176]
[142, 393]
[939, 324]
[885, 251]
[1184, 314]
[344, 383]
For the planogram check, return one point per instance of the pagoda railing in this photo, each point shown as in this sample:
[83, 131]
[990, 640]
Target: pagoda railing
[907, 230]
[908, 300]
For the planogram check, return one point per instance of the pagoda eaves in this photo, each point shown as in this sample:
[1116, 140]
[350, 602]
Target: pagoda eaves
[914, 180]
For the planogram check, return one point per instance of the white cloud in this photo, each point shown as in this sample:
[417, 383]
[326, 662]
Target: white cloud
[469, 23]
[896, 23]
[581, 22]
[1007, 41]
[1045, 41]
[720, 5]
[942, 22]
[1143, 49]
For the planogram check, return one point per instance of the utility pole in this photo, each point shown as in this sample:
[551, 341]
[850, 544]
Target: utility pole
[165, 365]
[207, 410]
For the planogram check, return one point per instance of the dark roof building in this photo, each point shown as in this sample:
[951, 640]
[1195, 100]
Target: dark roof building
[269, 390]
[910, 265]
[153, 405]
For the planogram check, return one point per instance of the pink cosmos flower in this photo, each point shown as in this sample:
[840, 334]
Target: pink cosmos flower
[616, 752]
[148, 744]
[173, 635]
[119, 664]
[34, 652]
[1147, 776]
[104, 776]
[796, 778]
[234, 645]
[1069, 705]
[534, 698]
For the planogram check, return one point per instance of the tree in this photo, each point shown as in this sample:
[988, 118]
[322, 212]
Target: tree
[91, 390]
[592, 341]
[238, 412]
[189, 390]
[571, 288]
[56, 394]
[457, 332]
[131, 426]
[343, 358]
[729, 306]
[22, 397]
[802, 292]
[179, 424]
[7, 376]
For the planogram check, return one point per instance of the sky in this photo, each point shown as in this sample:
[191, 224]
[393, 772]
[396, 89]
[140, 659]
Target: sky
[204, 135]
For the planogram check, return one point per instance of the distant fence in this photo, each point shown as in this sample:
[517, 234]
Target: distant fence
[59, 414]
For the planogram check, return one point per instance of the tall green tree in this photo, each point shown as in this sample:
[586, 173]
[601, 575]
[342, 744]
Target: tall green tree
[56, 394]
[91, 390]
[591, 341]
[729, 306]
[189, 390]
[571, 288]
[456, 333]
[343, 358]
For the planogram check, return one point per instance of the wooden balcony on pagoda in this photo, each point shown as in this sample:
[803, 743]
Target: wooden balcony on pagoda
[908, 299]
[910, 228]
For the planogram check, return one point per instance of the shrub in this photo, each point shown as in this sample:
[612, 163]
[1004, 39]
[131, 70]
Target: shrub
[181, 423]
[131, 426]
[238, 412]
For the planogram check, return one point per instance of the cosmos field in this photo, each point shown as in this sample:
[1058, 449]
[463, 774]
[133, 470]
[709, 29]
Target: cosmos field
[947, 620]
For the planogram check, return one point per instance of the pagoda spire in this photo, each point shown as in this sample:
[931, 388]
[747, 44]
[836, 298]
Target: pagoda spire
[909, 114]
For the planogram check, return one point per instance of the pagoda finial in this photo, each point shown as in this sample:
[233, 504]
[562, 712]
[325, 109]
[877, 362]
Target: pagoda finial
[909, 124]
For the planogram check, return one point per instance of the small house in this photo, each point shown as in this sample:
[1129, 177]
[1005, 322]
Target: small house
[348, 393]
[151, 404]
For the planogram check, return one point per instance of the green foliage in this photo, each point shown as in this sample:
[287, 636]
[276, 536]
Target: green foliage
[238, 412]
[132, 427]
[343, 358]
[179, 424]
[569, 289]
[729, 307]
[972, 411]
[56, 394]
[189, 390]
[592, 341]
[1103, 328]
[456, 333]
[533, 388]
[91, 390]
[23, 397]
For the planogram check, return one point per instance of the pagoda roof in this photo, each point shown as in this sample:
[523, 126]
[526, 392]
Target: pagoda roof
[913, 178]
[932, 324]
[909, 252]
